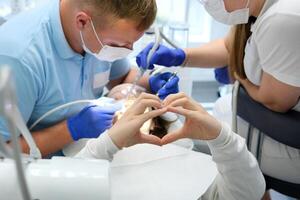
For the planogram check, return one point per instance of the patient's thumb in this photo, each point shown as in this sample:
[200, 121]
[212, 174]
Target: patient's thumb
[171, 137]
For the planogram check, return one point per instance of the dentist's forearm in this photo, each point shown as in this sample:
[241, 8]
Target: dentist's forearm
[49, 140]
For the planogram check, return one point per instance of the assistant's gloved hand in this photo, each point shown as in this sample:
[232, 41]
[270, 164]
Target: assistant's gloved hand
[158, 81]
[163, 56]
[91, 121]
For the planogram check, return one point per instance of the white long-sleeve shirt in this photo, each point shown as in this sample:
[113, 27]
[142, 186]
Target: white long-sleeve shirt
[239, 174]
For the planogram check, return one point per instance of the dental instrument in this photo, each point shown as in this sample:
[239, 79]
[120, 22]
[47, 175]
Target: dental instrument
[159, 36]
[142, 70]
[168, 116]
[174, 74]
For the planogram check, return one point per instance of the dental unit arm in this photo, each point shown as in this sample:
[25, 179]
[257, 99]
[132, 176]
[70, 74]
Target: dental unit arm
[56, 178]
[159, 36]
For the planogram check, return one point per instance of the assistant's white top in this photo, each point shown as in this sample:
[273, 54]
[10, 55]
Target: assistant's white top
[274, 46]
[239, 175]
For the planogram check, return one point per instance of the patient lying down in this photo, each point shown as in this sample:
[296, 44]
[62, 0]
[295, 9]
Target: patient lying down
[145, 169]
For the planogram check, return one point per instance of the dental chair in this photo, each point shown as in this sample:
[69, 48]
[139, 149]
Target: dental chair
[268, 123]
[29, 177]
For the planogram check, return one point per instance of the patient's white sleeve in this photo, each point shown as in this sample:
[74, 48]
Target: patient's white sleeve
[239, 174]
[99, 148]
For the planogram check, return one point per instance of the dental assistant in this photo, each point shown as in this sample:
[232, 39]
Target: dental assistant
[262, 51]
[66, 50]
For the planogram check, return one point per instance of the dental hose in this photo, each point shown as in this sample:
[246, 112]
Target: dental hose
[60, 108]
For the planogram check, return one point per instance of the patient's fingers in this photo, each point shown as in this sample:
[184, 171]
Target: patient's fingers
[172, 137]
[183, 102]
[173, 97]
[152, 114]
[148, 96]
[188, 104]
[150, 139]
[180, 111]
[139, 107]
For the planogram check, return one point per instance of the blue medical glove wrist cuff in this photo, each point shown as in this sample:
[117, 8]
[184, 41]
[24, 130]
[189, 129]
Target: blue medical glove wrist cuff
[181, 56]
[151, 87]
[72, 129]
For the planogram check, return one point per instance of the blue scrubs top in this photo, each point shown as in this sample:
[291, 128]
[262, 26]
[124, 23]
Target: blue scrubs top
[47, 72]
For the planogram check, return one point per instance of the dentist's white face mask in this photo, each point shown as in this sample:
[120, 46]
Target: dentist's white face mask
[216, 8]
[107, 53]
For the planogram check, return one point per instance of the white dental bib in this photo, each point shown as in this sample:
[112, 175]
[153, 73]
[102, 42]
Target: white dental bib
[172, 171]
[148, 172]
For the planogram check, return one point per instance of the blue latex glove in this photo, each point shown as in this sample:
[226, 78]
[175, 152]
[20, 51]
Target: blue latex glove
[163, 56]
[91, 121]
[158, 81]
[222, 75]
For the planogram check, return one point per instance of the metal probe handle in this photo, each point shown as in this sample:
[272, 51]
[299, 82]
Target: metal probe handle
[173, 75]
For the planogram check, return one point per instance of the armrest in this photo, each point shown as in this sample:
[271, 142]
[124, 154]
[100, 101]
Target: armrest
[284, 128]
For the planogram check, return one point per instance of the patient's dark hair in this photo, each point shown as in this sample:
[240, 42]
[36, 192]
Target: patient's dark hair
[159, 127]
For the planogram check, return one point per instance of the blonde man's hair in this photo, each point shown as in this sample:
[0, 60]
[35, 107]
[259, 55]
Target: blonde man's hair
[143, 12]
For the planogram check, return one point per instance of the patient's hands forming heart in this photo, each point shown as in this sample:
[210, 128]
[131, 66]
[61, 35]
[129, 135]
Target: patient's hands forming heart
[198, 123]
[126, 131]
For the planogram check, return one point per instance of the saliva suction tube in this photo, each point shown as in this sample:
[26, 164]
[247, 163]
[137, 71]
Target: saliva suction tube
[117, 97]
[102, 101]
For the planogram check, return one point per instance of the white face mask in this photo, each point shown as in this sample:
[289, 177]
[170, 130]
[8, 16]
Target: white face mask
[107, 53]
[216, 8]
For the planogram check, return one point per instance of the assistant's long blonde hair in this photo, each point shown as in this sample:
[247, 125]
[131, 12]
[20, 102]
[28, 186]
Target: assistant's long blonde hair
[241, 33]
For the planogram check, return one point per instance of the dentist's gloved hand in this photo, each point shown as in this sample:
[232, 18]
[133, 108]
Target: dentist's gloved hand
[164, 56]
[92, 121]
[158, 81]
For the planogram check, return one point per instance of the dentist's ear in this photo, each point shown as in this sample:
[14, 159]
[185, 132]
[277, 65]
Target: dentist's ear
[82, 19]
